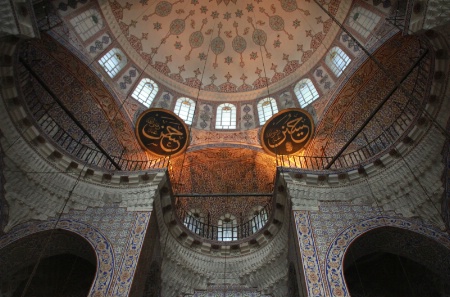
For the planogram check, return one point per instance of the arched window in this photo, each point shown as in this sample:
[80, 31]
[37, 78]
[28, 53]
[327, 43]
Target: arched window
[337, 60]
[363, 21]
[87, 23]
[227, 229]
[185, 108]
[113, 61]
[226, 116]
[194, 221]
[259, 219]
[267, 107]
[305, 92]
[145, 92]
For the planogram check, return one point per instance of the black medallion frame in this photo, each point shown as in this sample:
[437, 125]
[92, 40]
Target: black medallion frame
[287, 132]
[162, 133]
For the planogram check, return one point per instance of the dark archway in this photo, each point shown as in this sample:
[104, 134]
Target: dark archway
[393, 262]
[67, 266]
[292, 281]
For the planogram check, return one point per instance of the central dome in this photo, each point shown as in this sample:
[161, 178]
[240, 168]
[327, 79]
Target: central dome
[224, 47]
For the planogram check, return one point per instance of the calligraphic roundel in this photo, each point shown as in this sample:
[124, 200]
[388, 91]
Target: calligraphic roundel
[287, 132]
[162, 132]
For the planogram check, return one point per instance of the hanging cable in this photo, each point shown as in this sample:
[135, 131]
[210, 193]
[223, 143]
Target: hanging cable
[196, 105]
[384, 69]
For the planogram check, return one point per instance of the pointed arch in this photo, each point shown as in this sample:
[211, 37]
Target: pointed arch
[339, 246]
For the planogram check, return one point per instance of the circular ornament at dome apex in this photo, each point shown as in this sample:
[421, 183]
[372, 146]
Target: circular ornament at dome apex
[287, 132]
[162, 132]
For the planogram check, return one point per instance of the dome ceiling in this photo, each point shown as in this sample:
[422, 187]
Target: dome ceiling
[231, 46]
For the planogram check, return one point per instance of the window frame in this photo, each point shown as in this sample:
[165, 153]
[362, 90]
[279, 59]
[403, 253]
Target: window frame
[148, 98]
[84, 29]
[263, 115]
[230, 125]
[112, 69]
[371, 20]
[227, 231]
[308, 97]
[186, 116]
[337, 65]
[259, 220]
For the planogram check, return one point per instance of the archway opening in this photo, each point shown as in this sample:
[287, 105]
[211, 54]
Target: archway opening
[49, 263]
[60, 275]
[393, 262]
[390, 275]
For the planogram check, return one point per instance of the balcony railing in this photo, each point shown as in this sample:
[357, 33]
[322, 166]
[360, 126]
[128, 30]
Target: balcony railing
[229, 230]
[408, 114]
[74, 140]
[401, 15]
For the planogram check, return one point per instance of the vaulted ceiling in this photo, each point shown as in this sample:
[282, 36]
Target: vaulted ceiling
[230, 46]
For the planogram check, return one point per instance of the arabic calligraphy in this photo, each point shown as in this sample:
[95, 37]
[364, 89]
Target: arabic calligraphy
[162, 132]
[287, 132]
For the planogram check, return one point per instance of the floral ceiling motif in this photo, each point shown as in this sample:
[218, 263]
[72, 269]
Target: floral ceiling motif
[224, 46]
